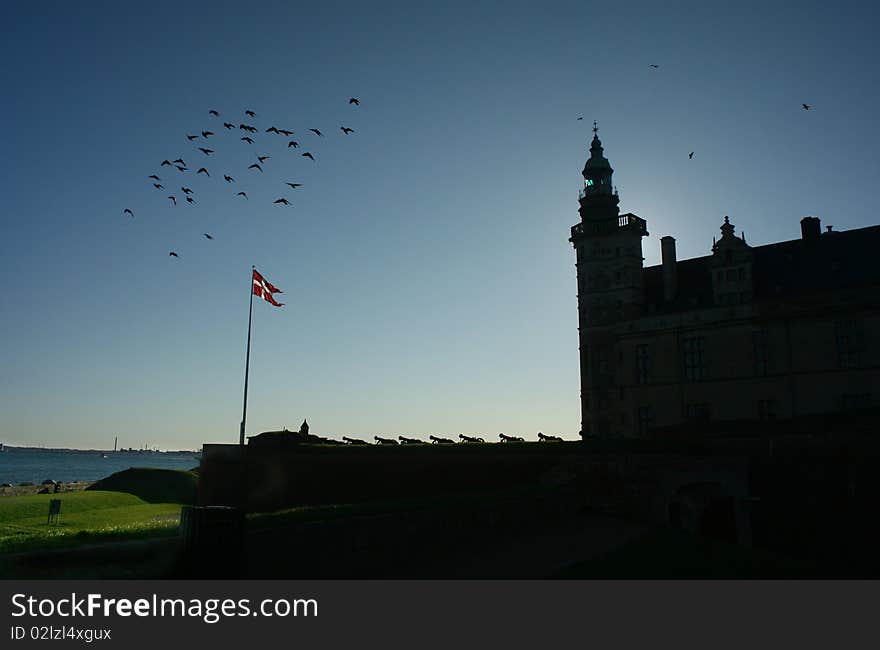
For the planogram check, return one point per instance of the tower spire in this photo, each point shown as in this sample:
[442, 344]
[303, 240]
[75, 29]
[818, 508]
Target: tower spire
[597, 172]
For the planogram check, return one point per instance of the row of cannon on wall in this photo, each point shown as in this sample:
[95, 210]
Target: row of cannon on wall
[403, 440]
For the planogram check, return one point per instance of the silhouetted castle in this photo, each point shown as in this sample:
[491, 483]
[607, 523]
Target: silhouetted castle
[745, 333]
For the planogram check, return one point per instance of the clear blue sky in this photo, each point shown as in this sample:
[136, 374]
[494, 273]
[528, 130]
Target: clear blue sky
[429, 283]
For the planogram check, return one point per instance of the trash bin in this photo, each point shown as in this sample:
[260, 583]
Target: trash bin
[212, 541]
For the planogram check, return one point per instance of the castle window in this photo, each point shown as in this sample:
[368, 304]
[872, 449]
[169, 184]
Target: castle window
[603, 360]
[848, 336]
[696, 411]
[766, 409]
[742, 274]
[731, 275]
[693, 358]
[645, 416]
[854, 401]
[643, 364]
[761, 352]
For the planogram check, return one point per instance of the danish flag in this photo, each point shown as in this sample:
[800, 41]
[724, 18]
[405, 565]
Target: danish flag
[264, 289]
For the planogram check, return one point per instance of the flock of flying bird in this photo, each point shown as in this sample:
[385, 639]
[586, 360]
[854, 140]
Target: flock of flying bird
[180, 165]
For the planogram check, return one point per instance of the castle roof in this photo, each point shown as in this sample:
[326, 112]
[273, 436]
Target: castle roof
[833, 260]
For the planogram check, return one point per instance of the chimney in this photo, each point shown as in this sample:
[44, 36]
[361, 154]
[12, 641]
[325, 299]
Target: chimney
[670, 278]
[811, 228]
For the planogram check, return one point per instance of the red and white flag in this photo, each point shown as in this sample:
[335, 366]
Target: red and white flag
[265, 289]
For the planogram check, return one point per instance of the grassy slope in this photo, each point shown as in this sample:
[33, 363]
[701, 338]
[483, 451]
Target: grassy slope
[137, 502]
[88, 516]
[153, 485]
[345, 510]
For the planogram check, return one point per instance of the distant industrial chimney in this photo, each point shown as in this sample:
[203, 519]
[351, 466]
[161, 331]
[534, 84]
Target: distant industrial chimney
[670, 277]
[811, 228]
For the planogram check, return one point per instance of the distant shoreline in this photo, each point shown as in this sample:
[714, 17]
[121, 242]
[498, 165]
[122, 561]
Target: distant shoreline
[103, 451]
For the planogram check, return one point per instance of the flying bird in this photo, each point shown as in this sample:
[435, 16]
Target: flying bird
[228, 125]
[690, 155]
[580, 118]
[654, 66]
[292, 143]
[354, 100]
[128, 212]
[207, 152]
[806, 107]
[180, 160]
[206, 134]
[272, 129]
[190, 199]
[308, 155]
[157, 186]
[173, 200]
[263, 159]
[153, 176]
[172, 254]
[207, 235]
[346, 130]
[285, 132]
[284, 201]
[191, 137]
[256, 166]
[250, 113]
[214, 113]
[315, 131]
[248, 140]
[202, 169]
[251, 129]
[186, 190]
[165, 162]
[228, 179]
[180, 168]
[241, 194]
[295, 185]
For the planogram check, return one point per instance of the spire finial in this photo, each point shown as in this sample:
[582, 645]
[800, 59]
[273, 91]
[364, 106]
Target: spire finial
[595, 129]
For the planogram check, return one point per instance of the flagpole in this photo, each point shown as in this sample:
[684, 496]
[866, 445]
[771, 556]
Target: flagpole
[247, 362]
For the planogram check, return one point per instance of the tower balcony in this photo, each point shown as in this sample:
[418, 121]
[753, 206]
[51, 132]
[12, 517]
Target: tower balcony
[601, 227]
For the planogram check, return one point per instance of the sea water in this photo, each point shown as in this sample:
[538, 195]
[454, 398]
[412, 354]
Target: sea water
[19, 465]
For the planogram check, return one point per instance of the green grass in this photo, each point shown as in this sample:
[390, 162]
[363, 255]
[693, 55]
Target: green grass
[86, 517]
[669, 553]
[153, 485]
[346, 510]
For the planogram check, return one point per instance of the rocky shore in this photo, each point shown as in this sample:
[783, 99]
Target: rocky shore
[20, 490]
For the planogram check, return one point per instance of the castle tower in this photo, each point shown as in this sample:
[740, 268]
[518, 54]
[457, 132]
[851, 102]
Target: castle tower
[608, 248]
